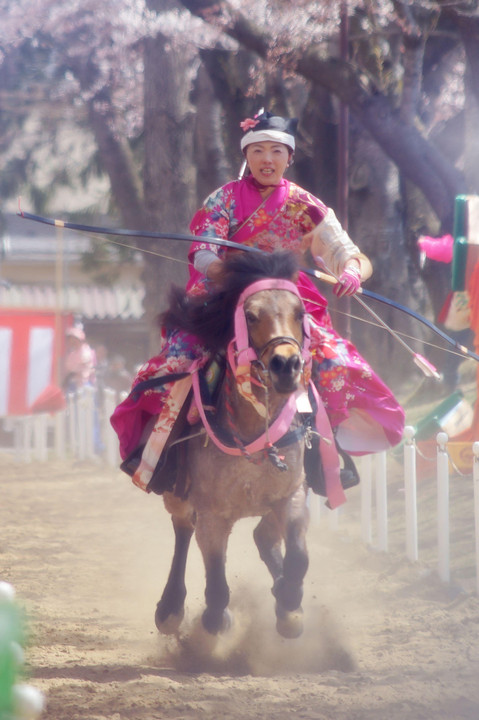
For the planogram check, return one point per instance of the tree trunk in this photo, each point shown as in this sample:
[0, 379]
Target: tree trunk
[212, 166]
[169, 178]
[416, 158]
[470, 35]
[116, 160]
[230, 76]
[376, 226]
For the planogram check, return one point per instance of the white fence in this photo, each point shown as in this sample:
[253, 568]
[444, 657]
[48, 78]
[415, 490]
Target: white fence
[83, 432]
[374, 510]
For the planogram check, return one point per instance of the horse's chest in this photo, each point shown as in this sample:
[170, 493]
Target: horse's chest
[234, 484]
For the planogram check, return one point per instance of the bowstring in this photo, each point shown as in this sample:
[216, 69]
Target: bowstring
[145, 251]
[312, 302]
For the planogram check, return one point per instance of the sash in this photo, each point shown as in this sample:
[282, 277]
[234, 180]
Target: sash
[256, 216]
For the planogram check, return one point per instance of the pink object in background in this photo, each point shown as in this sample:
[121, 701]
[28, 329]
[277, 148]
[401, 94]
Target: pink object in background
[439, 248]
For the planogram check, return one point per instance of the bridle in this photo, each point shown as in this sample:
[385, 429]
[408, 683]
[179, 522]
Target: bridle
[241, 353]
[274, 342]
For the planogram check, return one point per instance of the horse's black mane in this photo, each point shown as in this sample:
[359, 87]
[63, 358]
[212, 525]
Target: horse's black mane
[211, 318]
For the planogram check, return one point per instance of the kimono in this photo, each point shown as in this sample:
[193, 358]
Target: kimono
[362, 410]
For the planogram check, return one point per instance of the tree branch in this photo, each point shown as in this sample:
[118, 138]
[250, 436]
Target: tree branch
[116, 160]
[417, 159]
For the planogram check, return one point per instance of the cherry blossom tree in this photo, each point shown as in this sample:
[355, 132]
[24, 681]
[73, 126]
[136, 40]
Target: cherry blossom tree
[383, 87]
[154, 89]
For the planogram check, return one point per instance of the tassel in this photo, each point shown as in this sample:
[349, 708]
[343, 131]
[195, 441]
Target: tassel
[277, 460]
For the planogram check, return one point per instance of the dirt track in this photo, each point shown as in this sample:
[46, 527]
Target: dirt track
[88, 555]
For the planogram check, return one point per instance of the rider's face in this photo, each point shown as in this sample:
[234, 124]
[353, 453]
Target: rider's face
[267, 161]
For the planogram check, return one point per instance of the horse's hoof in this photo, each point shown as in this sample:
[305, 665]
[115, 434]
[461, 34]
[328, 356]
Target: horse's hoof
[214, 623]
[290, 624]
[171, 623]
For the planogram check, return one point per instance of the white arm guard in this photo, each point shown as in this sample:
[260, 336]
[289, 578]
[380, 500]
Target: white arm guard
[333, 244]
[203, 259]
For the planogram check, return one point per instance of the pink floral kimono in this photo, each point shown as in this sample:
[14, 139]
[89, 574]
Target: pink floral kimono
[361, 408]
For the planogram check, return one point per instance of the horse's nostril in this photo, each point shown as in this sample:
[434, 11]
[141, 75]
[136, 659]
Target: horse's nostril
[277, 364]
[294, 364]
[285, 366]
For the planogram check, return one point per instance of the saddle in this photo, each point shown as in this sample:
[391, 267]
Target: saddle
[170, 472]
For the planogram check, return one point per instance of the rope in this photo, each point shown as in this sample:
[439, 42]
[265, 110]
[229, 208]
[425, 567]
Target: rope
[269, 450]
[433, 459]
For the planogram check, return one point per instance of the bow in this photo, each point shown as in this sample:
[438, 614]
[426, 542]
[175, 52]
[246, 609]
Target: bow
[230, 244]
[392, 303]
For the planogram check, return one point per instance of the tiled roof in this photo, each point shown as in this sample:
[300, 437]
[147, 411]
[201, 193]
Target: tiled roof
[91, 301]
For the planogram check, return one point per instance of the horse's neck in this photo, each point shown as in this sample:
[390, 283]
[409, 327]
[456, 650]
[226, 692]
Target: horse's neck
[248, 420]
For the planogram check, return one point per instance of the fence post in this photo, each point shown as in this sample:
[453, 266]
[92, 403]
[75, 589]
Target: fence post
[333, 519]
[72, 435]
[382, 501]
[475, 450]
[89, 420]
[410, 491]
[40, 434]
[59, 421]
[314, 505]
[443, 506]
[80, 423]
[23, 451]
[108, 434]
[366, 499]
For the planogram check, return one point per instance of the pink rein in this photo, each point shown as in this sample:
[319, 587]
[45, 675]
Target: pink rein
[240, 361]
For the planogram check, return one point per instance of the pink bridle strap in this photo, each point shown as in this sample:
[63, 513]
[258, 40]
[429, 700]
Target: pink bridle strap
[329, 455]
[244, 353]
[275, 431]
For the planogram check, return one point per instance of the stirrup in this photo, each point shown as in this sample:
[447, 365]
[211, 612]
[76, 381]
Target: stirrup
[348, 474]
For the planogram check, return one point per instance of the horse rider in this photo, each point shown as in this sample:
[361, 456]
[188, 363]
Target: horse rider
[264, 210]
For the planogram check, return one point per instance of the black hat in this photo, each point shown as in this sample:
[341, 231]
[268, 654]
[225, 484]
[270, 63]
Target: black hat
[269, 127]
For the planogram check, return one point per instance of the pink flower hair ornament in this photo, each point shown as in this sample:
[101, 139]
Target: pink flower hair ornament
[248, 124]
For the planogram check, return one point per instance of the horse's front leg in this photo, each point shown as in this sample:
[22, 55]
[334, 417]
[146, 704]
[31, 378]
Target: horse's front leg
[288, 586]
[212, 533]
[268, 536]
[170, 609]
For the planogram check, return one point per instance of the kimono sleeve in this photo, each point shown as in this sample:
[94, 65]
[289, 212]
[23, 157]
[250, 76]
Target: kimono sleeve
[213, 219]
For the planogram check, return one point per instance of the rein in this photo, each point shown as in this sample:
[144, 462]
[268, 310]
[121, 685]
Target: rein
[274, 432]
[280, 340]
[269, 449]
[244, 353]
[241, 355]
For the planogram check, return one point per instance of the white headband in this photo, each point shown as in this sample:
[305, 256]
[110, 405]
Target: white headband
[267, 136]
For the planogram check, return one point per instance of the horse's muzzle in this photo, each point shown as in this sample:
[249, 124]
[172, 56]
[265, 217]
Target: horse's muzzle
[285, 372]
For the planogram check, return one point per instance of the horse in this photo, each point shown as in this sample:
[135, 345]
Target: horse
[258, 319]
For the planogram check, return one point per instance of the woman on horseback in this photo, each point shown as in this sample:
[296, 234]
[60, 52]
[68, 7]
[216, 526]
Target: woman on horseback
[264, 210]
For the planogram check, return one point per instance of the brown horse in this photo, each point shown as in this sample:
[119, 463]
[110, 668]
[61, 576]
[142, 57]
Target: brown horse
[261, 317]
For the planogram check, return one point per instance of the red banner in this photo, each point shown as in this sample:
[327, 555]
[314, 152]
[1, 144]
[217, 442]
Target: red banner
[31, 346]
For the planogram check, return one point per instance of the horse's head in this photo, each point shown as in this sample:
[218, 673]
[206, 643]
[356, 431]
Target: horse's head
[272, 334]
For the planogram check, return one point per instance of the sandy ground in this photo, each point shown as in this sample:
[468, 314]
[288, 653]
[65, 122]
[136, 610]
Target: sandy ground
[384, 640]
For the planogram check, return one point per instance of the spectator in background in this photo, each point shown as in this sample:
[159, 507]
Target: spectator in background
[117, 376]
[79, 372]
[80, 361]
[101, 369]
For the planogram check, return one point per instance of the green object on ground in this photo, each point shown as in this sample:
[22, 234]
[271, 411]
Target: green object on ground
[11, 636]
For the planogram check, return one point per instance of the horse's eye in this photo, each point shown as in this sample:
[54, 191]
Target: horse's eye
[300, 316]
[250, 317]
